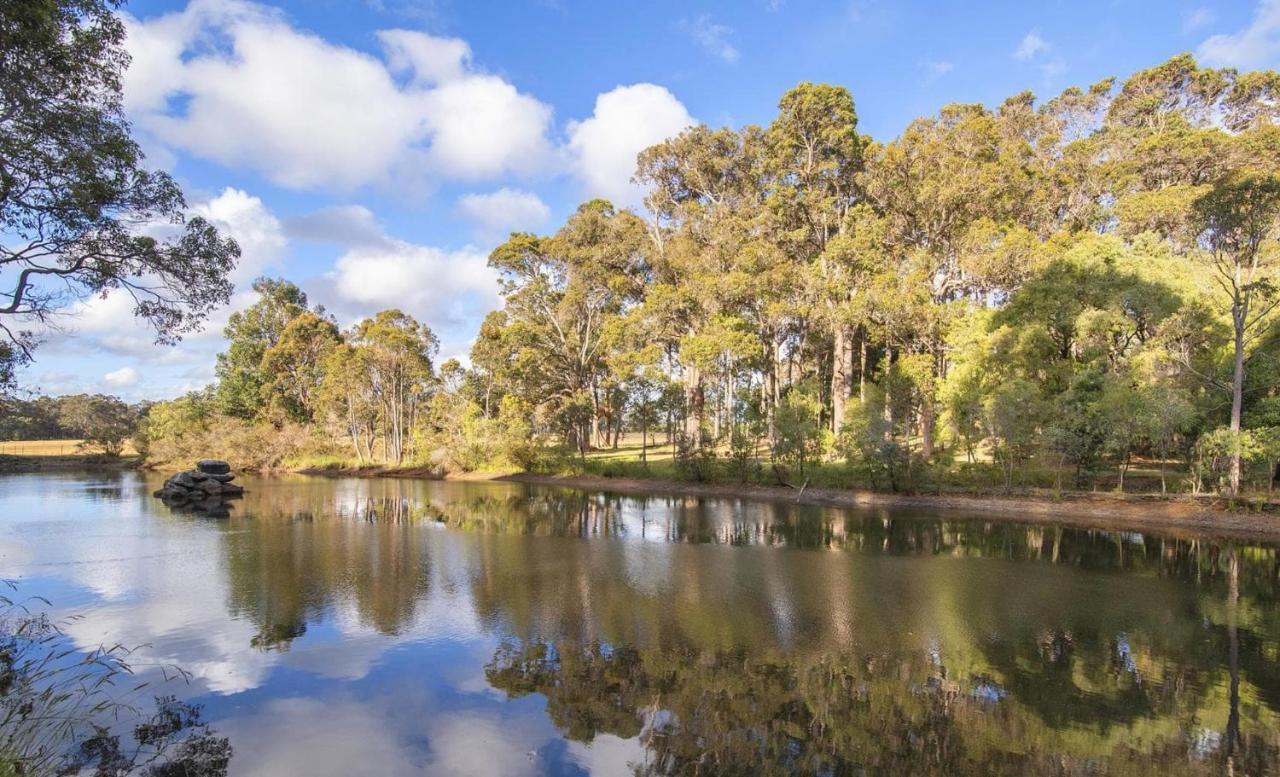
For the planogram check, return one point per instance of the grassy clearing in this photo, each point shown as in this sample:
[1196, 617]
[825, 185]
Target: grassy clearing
[980, 477]
[27, 455]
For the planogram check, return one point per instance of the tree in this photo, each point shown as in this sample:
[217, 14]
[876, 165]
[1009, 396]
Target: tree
[396, 352]
[250, 334]
[294, 367]
[80, 214]
[815, 156]
[1238, 220]
[561, 293]
[100, 421]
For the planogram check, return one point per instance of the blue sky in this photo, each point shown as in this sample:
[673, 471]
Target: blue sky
[373, 151]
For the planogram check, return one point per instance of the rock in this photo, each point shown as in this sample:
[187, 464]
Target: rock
[221, 478]
[209, 486]
[182, 480]
[213, 466]
[231, 489]
[168, 493]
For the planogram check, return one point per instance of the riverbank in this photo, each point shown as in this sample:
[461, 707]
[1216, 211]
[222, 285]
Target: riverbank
[1147, 513]
[1111, 512]
[95, 462]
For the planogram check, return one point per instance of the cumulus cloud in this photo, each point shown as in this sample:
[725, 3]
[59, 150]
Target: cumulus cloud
[439, 286]
[626, 120]
[1256, 46]
[233, 82]
[499, 213]
[345, 224]
[121, 378]
[1031, 46]
[254, 227]
[712, 37]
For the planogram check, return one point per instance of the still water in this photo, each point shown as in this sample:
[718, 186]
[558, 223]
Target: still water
[389, 627]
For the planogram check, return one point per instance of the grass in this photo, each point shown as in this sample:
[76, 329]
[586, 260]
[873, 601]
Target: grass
[982, 477]
[43, 448]
[28, 455]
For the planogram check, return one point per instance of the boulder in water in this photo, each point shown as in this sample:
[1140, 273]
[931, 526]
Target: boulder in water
[201, 491]
[213, 466]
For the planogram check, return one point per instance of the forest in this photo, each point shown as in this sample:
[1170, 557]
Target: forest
[1050, 294]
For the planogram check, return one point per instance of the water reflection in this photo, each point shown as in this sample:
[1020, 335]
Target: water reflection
[689, 636]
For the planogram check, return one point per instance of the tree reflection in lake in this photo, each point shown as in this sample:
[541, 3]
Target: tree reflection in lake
[826, 641]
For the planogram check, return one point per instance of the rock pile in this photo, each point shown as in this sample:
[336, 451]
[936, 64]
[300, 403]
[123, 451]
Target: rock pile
[202, 490]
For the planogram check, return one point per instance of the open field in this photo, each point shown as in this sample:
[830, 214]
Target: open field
[30, 455]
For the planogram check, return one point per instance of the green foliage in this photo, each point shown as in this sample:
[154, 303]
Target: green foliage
[1032, 294]
[869, 448]
[74, 187]
[99, 421]
[798, 436]
[57, 715]
[250, 334]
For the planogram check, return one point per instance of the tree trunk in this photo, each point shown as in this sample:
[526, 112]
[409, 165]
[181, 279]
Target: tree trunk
[841, 376]
[644, 438]
[862, 364]
[926, 427]
[1237, 400]
[694, 398]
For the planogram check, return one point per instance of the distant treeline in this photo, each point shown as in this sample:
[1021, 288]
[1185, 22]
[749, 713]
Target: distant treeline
[99, 419]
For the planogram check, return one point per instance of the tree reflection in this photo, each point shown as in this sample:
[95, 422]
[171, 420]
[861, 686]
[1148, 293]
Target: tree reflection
[858, 643]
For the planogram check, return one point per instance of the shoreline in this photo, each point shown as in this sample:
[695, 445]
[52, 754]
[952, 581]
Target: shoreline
[1146, 513]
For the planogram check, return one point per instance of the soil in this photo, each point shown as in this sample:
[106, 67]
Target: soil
[1177, 515]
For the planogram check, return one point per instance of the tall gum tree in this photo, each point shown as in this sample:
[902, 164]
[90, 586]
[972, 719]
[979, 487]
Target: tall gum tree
[1240, 218]
[814, 156]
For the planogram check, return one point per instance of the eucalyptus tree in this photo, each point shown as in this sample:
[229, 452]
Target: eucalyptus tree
[814, 157]
[396, 352]
[80, 214]
[250, 334]
[560, 293]
[1240, 221]
[293, 368]
[709, 261]
[932, 183]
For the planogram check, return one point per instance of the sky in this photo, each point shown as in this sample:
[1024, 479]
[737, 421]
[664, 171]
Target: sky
[375, 151]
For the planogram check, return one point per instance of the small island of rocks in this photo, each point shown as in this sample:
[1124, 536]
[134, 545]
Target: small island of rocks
[202, 490]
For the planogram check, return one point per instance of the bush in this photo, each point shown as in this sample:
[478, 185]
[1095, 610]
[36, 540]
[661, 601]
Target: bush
[695, 455]
[798, 434]
[180, 432]
[56, 709]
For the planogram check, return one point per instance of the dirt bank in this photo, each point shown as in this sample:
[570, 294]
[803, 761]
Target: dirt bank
[1185, 516]
[1148, 513]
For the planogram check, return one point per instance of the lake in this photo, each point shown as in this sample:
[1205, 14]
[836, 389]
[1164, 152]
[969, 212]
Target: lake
[397, 627]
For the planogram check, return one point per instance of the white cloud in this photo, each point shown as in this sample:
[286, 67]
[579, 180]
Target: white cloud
[712, 37]
[1197, 18]
[258, 232]
[344, 224]
[935, 69]
[437, 286]
[1256, 46]
[426, 59]
[233, 82]
[1031, 46]
[499, 213]
[626, 120]
[121, 378]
